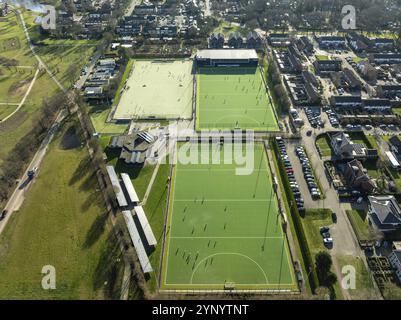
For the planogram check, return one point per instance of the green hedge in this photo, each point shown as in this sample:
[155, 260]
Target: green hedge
[296, 218]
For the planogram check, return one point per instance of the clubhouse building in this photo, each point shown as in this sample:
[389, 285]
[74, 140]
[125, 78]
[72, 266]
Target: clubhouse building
[226, 57]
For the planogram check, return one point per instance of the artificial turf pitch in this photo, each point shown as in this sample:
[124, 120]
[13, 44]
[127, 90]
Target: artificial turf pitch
[225, 228]
[233, 97]
[157, 89]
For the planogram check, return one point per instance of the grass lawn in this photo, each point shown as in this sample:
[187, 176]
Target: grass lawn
[359, 222]
[229, 98]
[63, 223]
[155, 209]
[14, 129]
[99, 117]
[322, 57]
[60, 58]
[6, 110]
[215, 232]
[313, 220]
[124, 78]
[323, 142]
[139, 174]
[14, 83]
[226, 28]
[359, 59]
[396, 111]
[363, 283]
[12, 38]
[60, 55]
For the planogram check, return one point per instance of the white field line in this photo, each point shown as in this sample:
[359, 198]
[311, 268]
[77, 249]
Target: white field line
[9, 103]
[24, 98]
[213, 237]
[223, 200]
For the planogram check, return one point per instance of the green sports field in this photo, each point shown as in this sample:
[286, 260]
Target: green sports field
[229, 98]
[225, 228]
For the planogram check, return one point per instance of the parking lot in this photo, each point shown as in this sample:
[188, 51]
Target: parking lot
[308, 174]
[295, 188]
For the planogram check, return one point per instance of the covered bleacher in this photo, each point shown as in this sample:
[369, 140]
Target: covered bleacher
[122, 202]
[136, 240]
[133, 197]
[147, 230]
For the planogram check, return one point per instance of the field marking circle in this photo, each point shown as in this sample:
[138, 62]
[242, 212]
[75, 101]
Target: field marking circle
[229, 253]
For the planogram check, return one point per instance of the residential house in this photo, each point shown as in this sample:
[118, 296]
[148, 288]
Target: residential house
[279, 39]
[253, 40]
[351, 80]
[390, 91]
[358, 42]
[395, 145]
[357, 178]
[235, 40]
[305, 45]
[361, 44]
[328, 65]
[367, 71]
[93, 92]
[146, 8]
[384, 44]
[216, 41]
[346, 102]
[376, 104]
[384, 213]
[311, 78]
[344, 148]
[331, 42]
[342, 145]
[385, 58]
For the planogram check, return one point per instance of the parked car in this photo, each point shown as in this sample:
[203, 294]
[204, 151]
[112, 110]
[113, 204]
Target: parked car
[324, 229]
[326, 235]
[328, 242]
[334, 217]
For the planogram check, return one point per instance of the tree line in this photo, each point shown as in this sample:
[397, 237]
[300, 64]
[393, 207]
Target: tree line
[19, 157]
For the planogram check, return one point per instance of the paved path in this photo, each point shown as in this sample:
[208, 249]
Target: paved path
[24, 98]
[150, 185]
